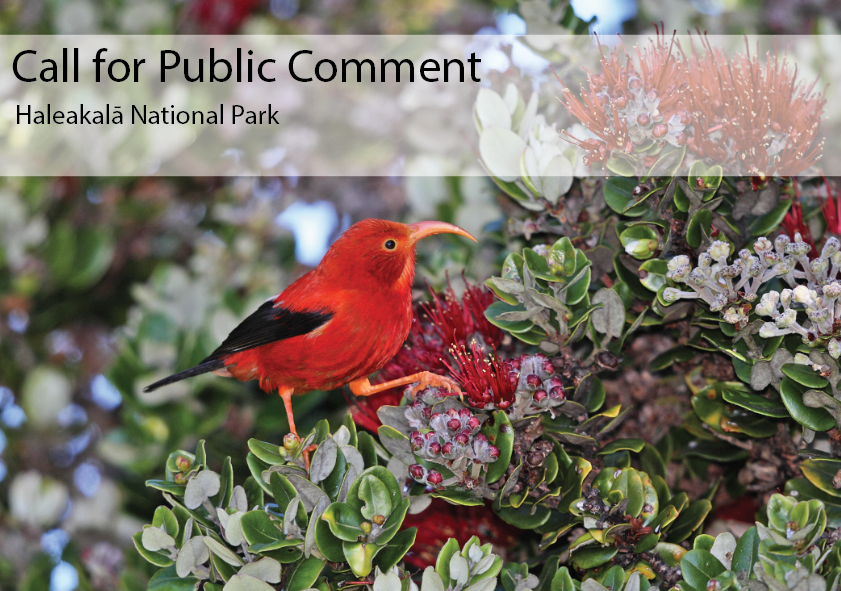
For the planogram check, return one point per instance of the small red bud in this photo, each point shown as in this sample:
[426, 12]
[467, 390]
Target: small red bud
[533, 380]
[652, 95]
[481, 438]
[620, 102]
[417, 471]
[660, 130]
[680, 139]
[447, 449]
[515, 363]
[557, 393]
[434, 478]
[430, 435]
[414, 434]
[548, 367]
[539, 395]
[462, 439]
[417, 443]
[493, 451]
[434, 416]
[554, 382]
[473, 423]
[539, 357]
[454, 424]
[465, 413]
[435, 448]
[643, 119]
[427, 412]
[453, 413]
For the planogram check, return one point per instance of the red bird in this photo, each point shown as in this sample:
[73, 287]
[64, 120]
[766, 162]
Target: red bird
[336, 325]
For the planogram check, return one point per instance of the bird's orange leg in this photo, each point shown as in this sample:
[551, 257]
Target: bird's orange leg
[424, 379]
[286, 394]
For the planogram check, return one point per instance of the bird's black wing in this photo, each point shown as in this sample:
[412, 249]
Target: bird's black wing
[268, 324]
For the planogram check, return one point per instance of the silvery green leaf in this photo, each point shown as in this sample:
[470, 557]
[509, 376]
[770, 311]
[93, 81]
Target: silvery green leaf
[459, 570]
[324, 460]
[488, 584]
[353, 457]
[529, 116]
[155, 539]
[530, 171]
[519, 316]
[633, 583]
[310, 494]
[222, 551]
[222, 516]
[418, 504]
[484, 564]
[394, 417]
[309, 540]
[808, 435]
[723, 548]
[474, 554]
[188, 529]
[203, 485]
[761, 375]
[387, 582]
[349, 478]
[266, 569]
[511, 97]
[193, 553]
[398, 468]
[509, 285]
[431, 581]
[501, 150]
[397, 445]
[342, 436]
[492, 110]
[592, 585]
[610, 318]
[546, 301]
[556, 178]
[246, 583]
[285, 470]
[239, 500]
[781, 357]
[233, 531]
[290, 526]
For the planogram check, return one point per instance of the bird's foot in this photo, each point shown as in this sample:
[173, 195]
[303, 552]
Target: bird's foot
[306, 454]
[428, 379]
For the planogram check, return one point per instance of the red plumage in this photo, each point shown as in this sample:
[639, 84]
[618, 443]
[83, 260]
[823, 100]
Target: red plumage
[337, 324]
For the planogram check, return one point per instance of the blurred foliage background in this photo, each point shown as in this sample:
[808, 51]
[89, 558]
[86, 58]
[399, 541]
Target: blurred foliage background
[107, 284]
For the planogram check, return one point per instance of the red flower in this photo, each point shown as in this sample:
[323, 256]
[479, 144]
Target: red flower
[442, 521]
[456, 322]
[485, 380]
[794, 223]
[831, 209]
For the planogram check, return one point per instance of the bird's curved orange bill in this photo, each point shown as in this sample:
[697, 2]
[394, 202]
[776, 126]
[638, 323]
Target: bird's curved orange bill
[423, 229]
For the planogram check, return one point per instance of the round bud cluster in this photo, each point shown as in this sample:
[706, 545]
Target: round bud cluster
[539, 388]
[453, 435]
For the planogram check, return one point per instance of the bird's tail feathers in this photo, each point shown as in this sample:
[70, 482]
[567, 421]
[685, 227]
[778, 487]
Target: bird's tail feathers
[203, 367]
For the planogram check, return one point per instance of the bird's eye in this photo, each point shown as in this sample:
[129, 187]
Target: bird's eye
[390, 245]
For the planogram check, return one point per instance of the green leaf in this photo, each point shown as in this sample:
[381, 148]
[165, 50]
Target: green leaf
[387, 478]
[396, 549]
[623, 165]
[360, 556]
[817, 419]
[375, 496]
[805, 375]
[442, 564]
[302, 575]
[823, 473]
[771, 220]
[698, 226]
[699, 566]
[500, 435]
[266, 452]
[689, 520]
[329, 545]
[756, 403]
[591, 557]
[94, 253]
[746, 553]
[495, 310]
[345, 521]
[165, 519]
[562, 581]
[640, 241]
[262, 533]
[619, 193]
[159, 558]
[167, 487]
[634, 445]
[167, 579]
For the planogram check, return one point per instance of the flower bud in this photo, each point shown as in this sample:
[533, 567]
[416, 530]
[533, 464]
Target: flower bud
[718, 303]
[462, 439]
[180, 478]
[474, 423]
[417, 443]
[833, 347]
[643, 119]
[781, 241]
[768, 304]
[417, 471]
[454, 424]
[183, 464]
[768, 330]
[620, 102]
[434, 478]
[493, 451]
[465, 413]
[553, 382]
[802, 294]
[831, 247]
[719, 250]
[557, 394]
[378, 519]
[430, 435]
[434, 448]
[763, 244]
[539, 395]
[533, 380]
[447, 449]
[670, 294]
[366, 527]
[786, 319]
[548, 367]
[427, 412]
[452, 413]
[819, 265]
[482, 438]
[832, 291]
[291, 442]
[660, 130]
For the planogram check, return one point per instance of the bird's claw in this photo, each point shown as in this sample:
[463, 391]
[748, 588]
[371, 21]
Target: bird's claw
[306, 454]
[428, 379]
